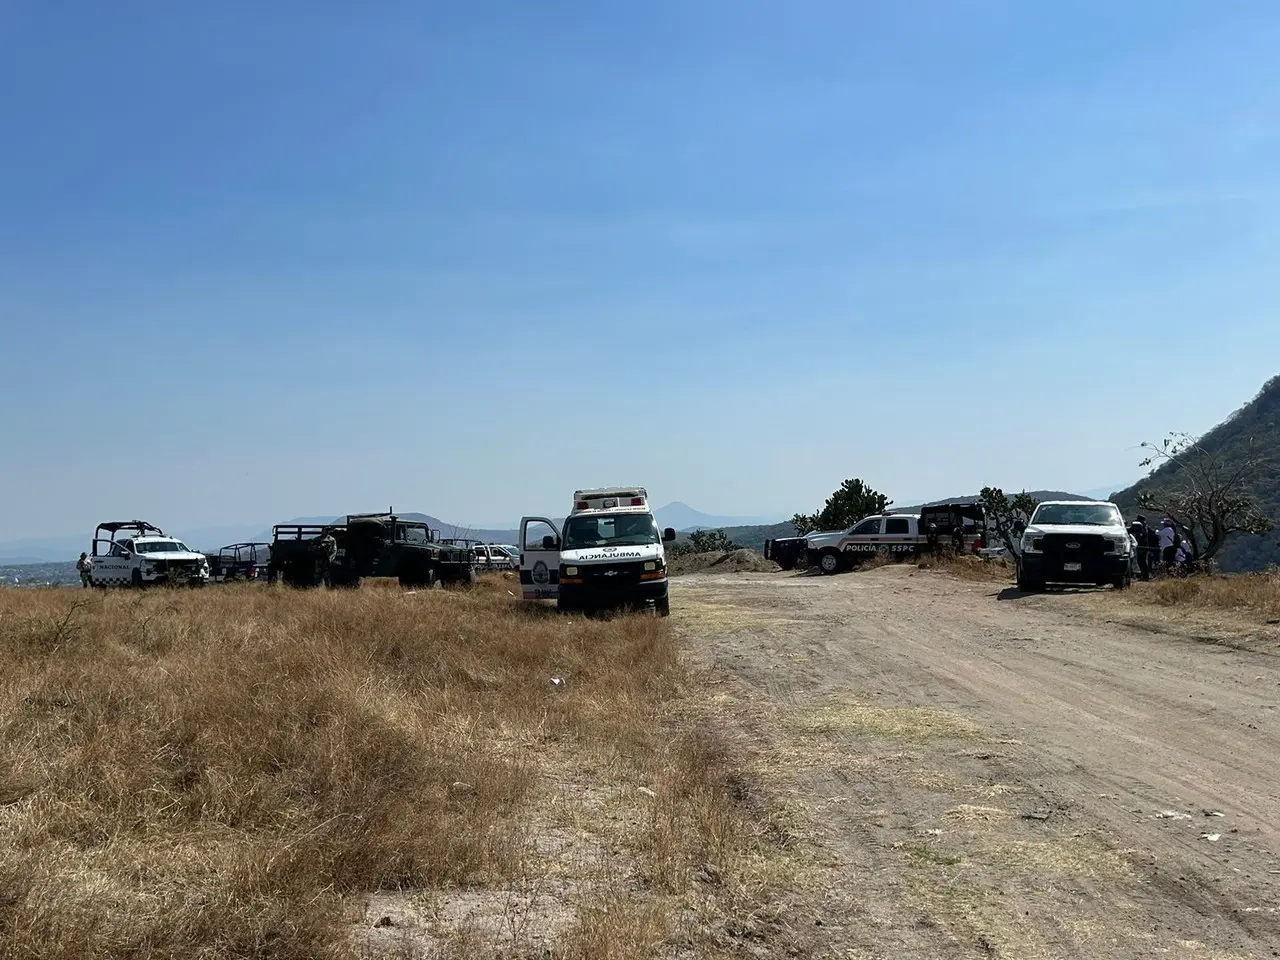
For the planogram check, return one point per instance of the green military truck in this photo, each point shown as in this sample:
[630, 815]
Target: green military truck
[366, 545]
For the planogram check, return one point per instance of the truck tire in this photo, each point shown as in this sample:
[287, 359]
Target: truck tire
[1027, 585]
[829, 562]
[663, 607]
[417, 577]
[136, 579]
[1123, 581]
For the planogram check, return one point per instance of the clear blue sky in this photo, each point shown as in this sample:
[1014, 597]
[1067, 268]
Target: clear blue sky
[262, 260]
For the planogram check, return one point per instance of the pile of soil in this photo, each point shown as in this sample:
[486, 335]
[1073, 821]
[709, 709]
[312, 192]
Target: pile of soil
[735, 561]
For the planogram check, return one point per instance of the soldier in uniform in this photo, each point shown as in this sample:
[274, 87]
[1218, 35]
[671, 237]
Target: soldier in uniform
[328, 554]
[83, 566]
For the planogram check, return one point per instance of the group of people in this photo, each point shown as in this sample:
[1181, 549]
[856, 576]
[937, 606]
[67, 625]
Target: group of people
[934, 538]
[1160, 548]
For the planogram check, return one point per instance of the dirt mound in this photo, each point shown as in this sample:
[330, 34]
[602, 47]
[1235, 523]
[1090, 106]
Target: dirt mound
[735, 561]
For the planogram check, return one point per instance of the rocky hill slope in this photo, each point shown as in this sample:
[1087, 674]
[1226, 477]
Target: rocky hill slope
[1257, 422]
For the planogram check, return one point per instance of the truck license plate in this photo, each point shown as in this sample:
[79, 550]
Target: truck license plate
[1071, 567]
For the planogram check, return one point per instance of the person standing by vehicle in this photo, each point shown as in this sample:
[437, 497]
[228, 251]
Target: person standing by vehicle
[328, 556]
[83, 566]
[957, 538]
[1141, 534]
[1168, 544]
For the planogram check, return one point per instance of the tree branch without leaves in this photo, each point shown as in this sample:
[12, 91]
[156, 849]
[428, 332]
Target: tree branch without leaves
[1209, 496]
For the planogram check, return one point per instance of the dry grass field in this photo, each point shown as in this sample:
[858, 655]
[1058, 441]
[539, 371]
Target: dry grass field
[1254, 595]
[258, 772]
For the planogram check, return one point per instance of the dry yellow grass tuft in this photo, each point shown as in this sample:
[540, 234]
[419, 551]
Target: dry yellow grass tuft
[967, 567]
[848, 718]
[1255, 594]
[223, 773]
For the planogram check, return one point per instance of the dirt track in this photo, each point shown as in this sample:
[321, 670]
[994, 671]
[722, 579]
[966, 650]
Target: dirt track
[991, 775]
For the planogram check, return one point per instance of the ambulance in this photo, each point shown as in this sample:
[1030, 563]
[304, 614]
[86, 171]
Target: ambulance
[608, 553]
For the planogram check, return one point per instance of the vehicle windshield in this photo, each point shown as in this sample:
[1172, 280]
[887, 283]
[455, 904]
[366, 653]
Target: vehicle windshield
[160, 546]
[1090, 514]
[623, 530]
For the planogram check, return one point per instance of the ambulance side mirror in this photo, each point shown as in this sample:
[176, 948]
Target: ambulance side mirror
[549, 543]
[669, 535]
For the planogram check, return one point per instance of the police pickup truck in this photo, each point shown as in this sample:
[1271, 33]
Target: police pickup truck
[899, 536]
[134, 553]
[609, 553]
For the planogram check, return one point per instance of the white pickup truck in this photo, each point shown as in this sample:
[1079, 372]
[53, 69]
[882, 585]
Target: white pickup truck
[1076, 541]
[147, 557]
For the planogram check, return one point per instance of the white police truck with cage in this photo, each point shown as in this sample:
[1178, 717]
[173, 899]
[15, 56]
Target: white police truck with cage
[608, 552]
[134, 553]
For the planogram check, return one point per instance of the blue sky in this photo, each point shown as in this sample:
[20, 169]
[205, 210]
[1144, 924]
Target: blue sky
[267, 260]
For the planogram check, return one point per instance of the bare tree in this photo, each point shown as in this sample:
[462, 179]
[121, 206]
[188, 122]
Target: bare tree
[1209, 495]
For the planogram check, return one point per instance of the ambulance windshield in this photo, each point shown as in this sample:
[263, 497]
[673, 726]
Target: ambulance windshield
[622, 530]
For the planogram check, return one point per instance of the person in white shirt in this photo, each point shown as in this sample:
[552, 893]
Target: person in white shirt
[1168, 543]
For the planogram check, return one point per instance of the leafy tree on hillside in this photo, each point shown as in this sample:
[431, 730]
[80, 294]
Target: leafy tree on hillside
[1210, 495]
[711, 541]
[1005, 511]
[853, 501]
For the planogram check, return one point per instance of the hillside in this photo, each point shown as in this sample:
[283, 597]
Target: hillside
[1258, 421]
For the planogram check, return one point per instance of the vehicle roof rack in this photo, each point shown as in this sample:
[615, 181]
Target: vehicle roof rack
[143, 528]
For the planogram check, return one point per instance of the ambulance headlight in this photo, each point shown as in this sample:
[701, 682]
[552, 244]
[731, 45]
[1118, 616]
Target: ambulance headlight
[570, 571]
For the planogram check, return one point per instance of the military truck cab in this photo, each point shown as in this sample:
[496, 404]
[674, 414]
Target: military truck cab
[608, 553]
[367, 545]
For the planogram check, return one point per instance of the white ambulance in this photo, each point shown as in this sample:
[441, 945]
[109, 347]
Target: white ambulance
[608, 553]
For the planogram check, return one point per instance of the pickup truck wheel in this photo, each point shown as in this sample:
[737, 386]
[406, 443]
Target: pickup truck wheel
[663, 607]
[418, 577]
[137, 579]
[829, 562]
[1027, 585]
[1122, 582]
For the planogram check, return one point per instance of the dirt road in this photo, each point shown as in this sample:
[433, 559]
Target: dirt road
[990, 775]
